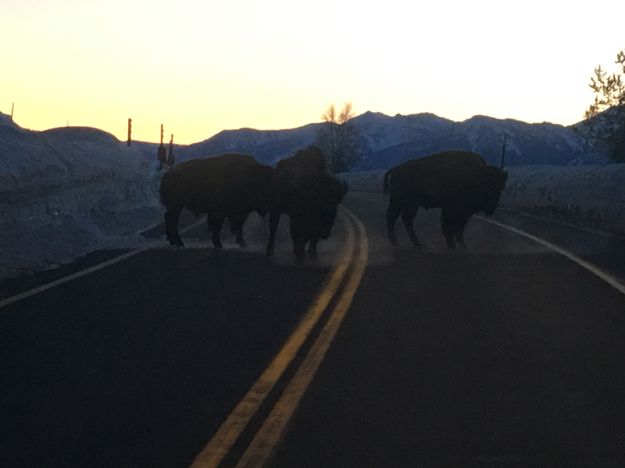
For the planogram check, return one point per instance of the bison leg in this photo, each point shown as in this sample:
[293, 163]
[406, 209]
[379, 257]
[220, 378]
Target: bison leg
[392, 214]
[460, 236]
[171, 226]
[274, 219]
[236, 225]
[312, 248]
[298, 249]
[239, 236]
[460, 231]
[449, 232]
[407, 217]
[449, 227]
[214, 223]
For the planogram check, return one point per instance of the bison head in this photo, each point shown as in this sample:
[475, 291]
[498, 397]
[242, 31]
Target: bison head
[493, 183]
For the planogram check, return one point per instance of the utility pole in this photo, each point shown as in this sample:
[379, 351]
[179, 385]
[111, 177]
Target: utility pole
[162, 152]
[12, 109]
[129, 132]
[503, 150]
[171, 160]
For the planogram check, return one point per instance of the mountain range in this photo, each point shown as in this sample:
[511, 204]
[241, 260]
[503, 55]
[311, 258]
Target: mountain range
[385, 141]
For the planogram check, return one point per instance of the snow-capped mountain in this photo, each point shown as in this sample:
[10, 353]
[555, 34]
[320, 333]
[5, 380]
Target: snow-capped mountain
[385, 141]
[268, 146]
[424, 134]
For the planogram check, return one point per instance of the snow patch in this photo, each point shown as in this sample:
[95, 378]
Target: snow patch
[66, 192]
[587, 196]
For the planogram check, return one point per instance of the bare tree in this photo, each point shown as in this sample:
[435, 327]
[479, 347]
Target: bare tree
[338, 138]
[607, 113]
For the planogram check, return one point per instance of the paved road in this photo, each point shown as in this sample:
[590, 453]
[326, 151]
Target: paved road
[504, 354]
[138, 363]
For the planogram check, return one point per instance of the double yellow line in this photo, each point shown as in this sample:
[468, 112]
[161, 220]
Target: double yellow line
[347, 273]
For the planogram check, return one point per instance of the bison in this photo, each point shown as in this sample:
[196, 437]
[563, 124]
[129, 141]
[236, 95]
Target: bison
[304, 190]
[458, 182]
[227, 186]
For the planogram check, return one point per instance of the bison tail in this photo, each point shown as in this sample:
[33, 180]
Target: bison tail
[387, 180]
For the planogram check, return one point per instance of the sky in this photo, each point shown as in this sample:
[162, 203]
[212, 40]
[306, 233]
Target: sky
[201, 66]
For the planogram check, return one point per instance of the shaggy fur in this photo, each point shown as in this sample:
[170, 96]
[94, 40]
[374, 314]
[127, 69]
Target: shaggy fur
[303, 189]
[228, 186]
[458, 182]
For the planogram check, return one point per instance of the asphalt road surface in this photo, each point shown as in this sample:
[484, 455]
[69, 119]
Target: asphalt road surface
[506, 353]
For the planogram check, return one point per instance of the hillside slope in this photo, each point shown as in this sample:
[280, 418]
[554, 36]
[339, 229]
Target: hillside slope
[67, 191]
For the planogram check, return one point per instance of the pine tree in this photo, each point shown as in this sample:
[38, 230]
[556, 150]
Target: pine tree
[607, 112]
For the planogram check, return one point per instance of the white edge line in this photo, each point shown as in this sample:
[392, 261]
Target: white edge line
[594, 269]
[66, 279]
[78, 274]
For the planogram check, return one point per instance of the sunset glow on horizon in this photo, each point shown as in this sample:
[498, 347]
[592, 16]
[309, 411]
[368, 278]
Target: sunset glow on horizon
[200, 67]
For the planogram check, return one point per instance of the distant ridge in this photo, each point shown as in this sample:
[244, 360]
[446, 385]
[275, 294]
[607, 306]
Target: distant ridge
[7, 121]
[268, 146]
[388, 140]
[385, 141]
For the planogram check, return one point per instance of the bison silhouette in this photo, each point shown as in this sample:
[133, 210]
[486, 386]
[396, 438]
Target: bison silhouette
[458, 182]
[309, 195]
[229, 186]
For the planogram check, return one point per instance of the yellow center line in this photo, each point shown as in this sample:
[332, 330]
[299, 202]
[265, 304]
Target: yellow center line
[222, 441]
[274, 427]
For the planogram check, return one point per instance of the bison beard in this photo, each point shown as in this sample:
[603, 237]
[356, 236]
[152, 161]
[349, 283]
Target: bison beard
[458, 182]
[224, 187]
[304, 190]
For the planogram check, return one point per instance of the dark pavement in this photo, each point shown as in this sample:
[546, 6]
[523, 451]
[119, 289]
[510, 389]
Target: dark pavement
[503, 354]
[137, 364]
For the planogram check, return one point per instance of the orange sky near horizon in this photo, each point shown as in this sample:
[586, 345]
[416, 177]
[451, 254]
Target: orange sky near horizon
[200, 67]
